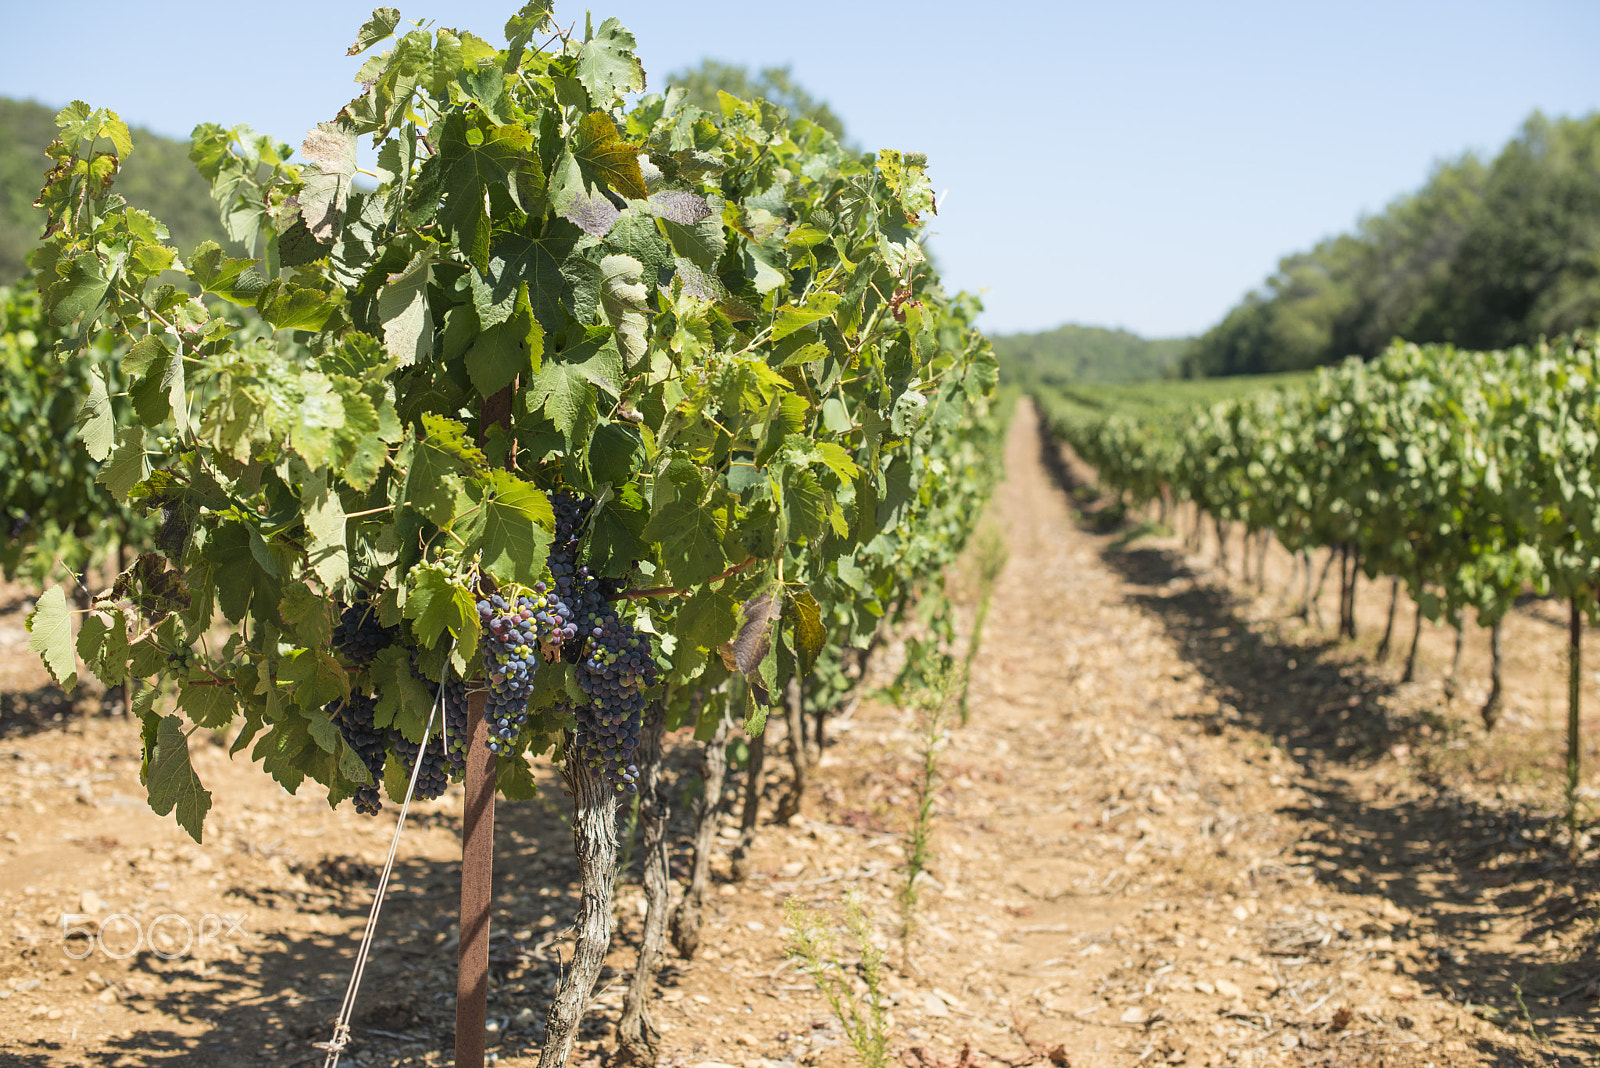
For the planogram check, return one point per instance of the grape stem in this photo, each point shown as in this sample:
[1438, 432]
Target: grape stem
[674, 591]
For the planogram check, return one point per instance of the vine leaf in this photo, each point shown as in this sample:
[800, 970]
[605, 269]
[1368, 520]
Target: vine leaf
[814, 311]
[514, 527]
[403, 699]
[171, 779]
[375, 29]
[330, 150]
[607, 66]
[601, 151]
[679, 206]
[533, 17]
[128, 465]
[506, 349]
[212, 707]
[103, 645]
[470, 161]
[623, 296]
[690, 535]
[436, 603]
[234, 279]
[403, 310]
[317, 677]
[97, 427]
[50, 636]
[809, 634]
[752, 644]
[325, 526]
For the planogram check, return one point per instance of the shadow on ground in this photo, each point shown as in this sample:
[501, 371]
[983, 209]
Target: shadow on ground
[1461, 867]
[268, 1007]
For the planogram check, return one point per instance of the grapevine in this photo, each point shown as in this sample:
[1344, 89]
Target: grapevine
[607, 412]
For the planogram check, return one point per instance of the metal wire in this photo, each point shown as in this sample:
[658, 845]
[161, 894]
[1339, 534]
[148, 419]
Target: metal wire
[341, 1027]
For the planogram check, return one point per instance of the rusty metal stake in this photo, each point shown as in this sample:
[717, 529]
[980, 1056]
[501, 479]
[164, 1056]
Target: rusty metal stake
[477, 880]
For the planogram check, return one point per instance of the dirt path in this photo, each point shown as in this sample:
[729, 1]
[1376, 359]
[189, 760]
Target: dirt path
[1168, 836]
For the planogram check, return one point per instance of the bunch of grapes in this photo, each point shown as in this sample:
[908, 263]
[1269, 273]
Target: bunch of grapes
[510, 657]
[359, 635]
[455, 723]
[353, 717]
[616, 670]
[434, 777]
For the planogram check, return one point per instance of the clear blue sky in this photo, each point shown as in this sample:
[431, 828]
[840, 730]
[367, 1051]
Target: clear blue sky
[1122, 164]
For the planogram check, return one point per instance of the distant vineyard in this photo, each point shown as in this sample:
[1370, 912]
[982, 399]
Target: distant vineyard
[1469, 477]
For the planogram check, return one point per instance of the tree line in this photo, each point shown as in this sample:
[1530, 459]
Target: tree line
[1486, 255]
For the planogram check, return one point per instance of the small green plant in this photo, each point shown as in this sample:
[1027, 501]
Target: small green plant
[989, 554]
[863, 1013]
[1527, 1017]
[933, 717]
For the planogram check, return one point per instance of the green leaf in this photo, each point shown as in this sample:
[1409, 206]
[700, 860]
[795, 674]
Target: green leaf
[791, 319]
[233, 279]
[330, 152]
[403, 698]
[158, 380]
[624, 297]
[437, 603]
[471, 159]
[909, 409]
[171, 780]
[326, 552]
[50, 636]
[513, 778]
[213, 707]
[128, 465]
[690, 535]
[403, 310]
[307, 616]
[103, 646]
[508, 349]
[290, 307]
[810, 636]
[567, 399]
[516, 528]
[76, 296]
[97, 426]
[607, 66]
[701, 243]
[602, 152]
[708, 619]
[317, 677]
[375, 29]
[532, 18]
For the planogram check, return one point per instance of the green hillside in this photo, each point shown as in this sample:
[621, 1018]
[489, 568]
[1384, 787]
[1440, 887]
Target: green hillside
[158, 177]
[1086, 354]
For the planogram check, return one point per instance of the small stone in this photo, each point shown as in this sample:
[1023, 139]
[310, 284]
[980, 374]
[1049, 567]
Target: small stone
[1240, 912]
[1228, 988]
[934, 1005]
[1135, 1015]
[526, 1017]
[1204, 987]
[755, 925]
[92, 904]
